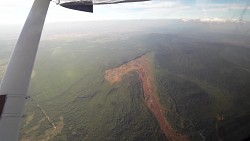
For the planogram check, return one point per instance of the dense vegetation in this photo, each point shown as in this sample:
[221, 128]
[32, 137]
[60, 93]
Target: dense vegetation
[202, 82]
[69, 83]
[206, 85]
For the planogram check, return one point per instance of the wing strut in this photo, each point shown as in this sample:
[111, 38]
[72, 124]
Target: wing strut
[16, 79]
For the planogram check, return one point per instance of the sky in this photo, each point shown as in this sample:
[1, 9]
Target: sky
[16, 11]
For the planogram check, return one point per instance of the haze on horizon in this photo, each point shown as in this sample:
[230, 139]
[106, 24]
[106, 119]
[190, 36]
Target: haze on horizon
[196, 71]
[15, 12]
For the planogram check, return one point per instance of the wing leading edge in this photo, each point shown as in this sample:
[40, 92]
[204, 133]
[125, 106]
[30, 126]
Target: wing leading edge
[101, 2]
[15, 83]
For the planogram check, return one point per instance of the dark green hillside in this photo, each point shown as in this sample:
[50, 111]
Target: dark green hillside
[201, 77]
[201, 81]
[70, 88]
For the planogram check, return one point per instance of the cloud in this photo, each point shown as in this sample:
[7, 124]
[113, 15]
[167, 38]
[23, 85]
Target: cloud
[13, 11]
[16, 11]
[222, 7]
[156, 5]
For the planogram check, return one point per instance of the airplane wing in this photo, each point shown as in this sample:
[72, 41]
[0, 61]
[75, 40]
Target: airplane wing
[98, 2]
[15, 82]
[87, 5]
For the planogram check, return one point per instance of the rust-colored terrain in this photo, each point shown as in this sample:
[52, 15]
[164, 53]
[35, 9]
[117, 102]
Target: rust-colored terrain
[142, 66]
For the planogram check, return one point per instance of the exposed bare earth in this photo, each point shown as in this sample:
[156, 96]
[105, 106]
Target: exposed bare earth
[143, 67]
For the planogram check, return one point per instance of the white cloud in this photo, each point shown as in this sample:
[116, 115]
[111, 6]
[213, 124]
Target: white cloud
[222, 7]
[16, 11]
[154, 5]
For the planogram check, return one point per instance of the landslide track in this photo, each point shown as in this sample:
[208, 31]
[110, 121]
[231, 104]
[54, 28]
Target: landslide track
[143, 66]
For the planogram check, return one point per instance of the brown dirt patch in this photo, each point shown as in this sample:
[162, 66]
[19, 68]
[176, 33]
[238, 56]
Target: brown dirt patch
[142, 66]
